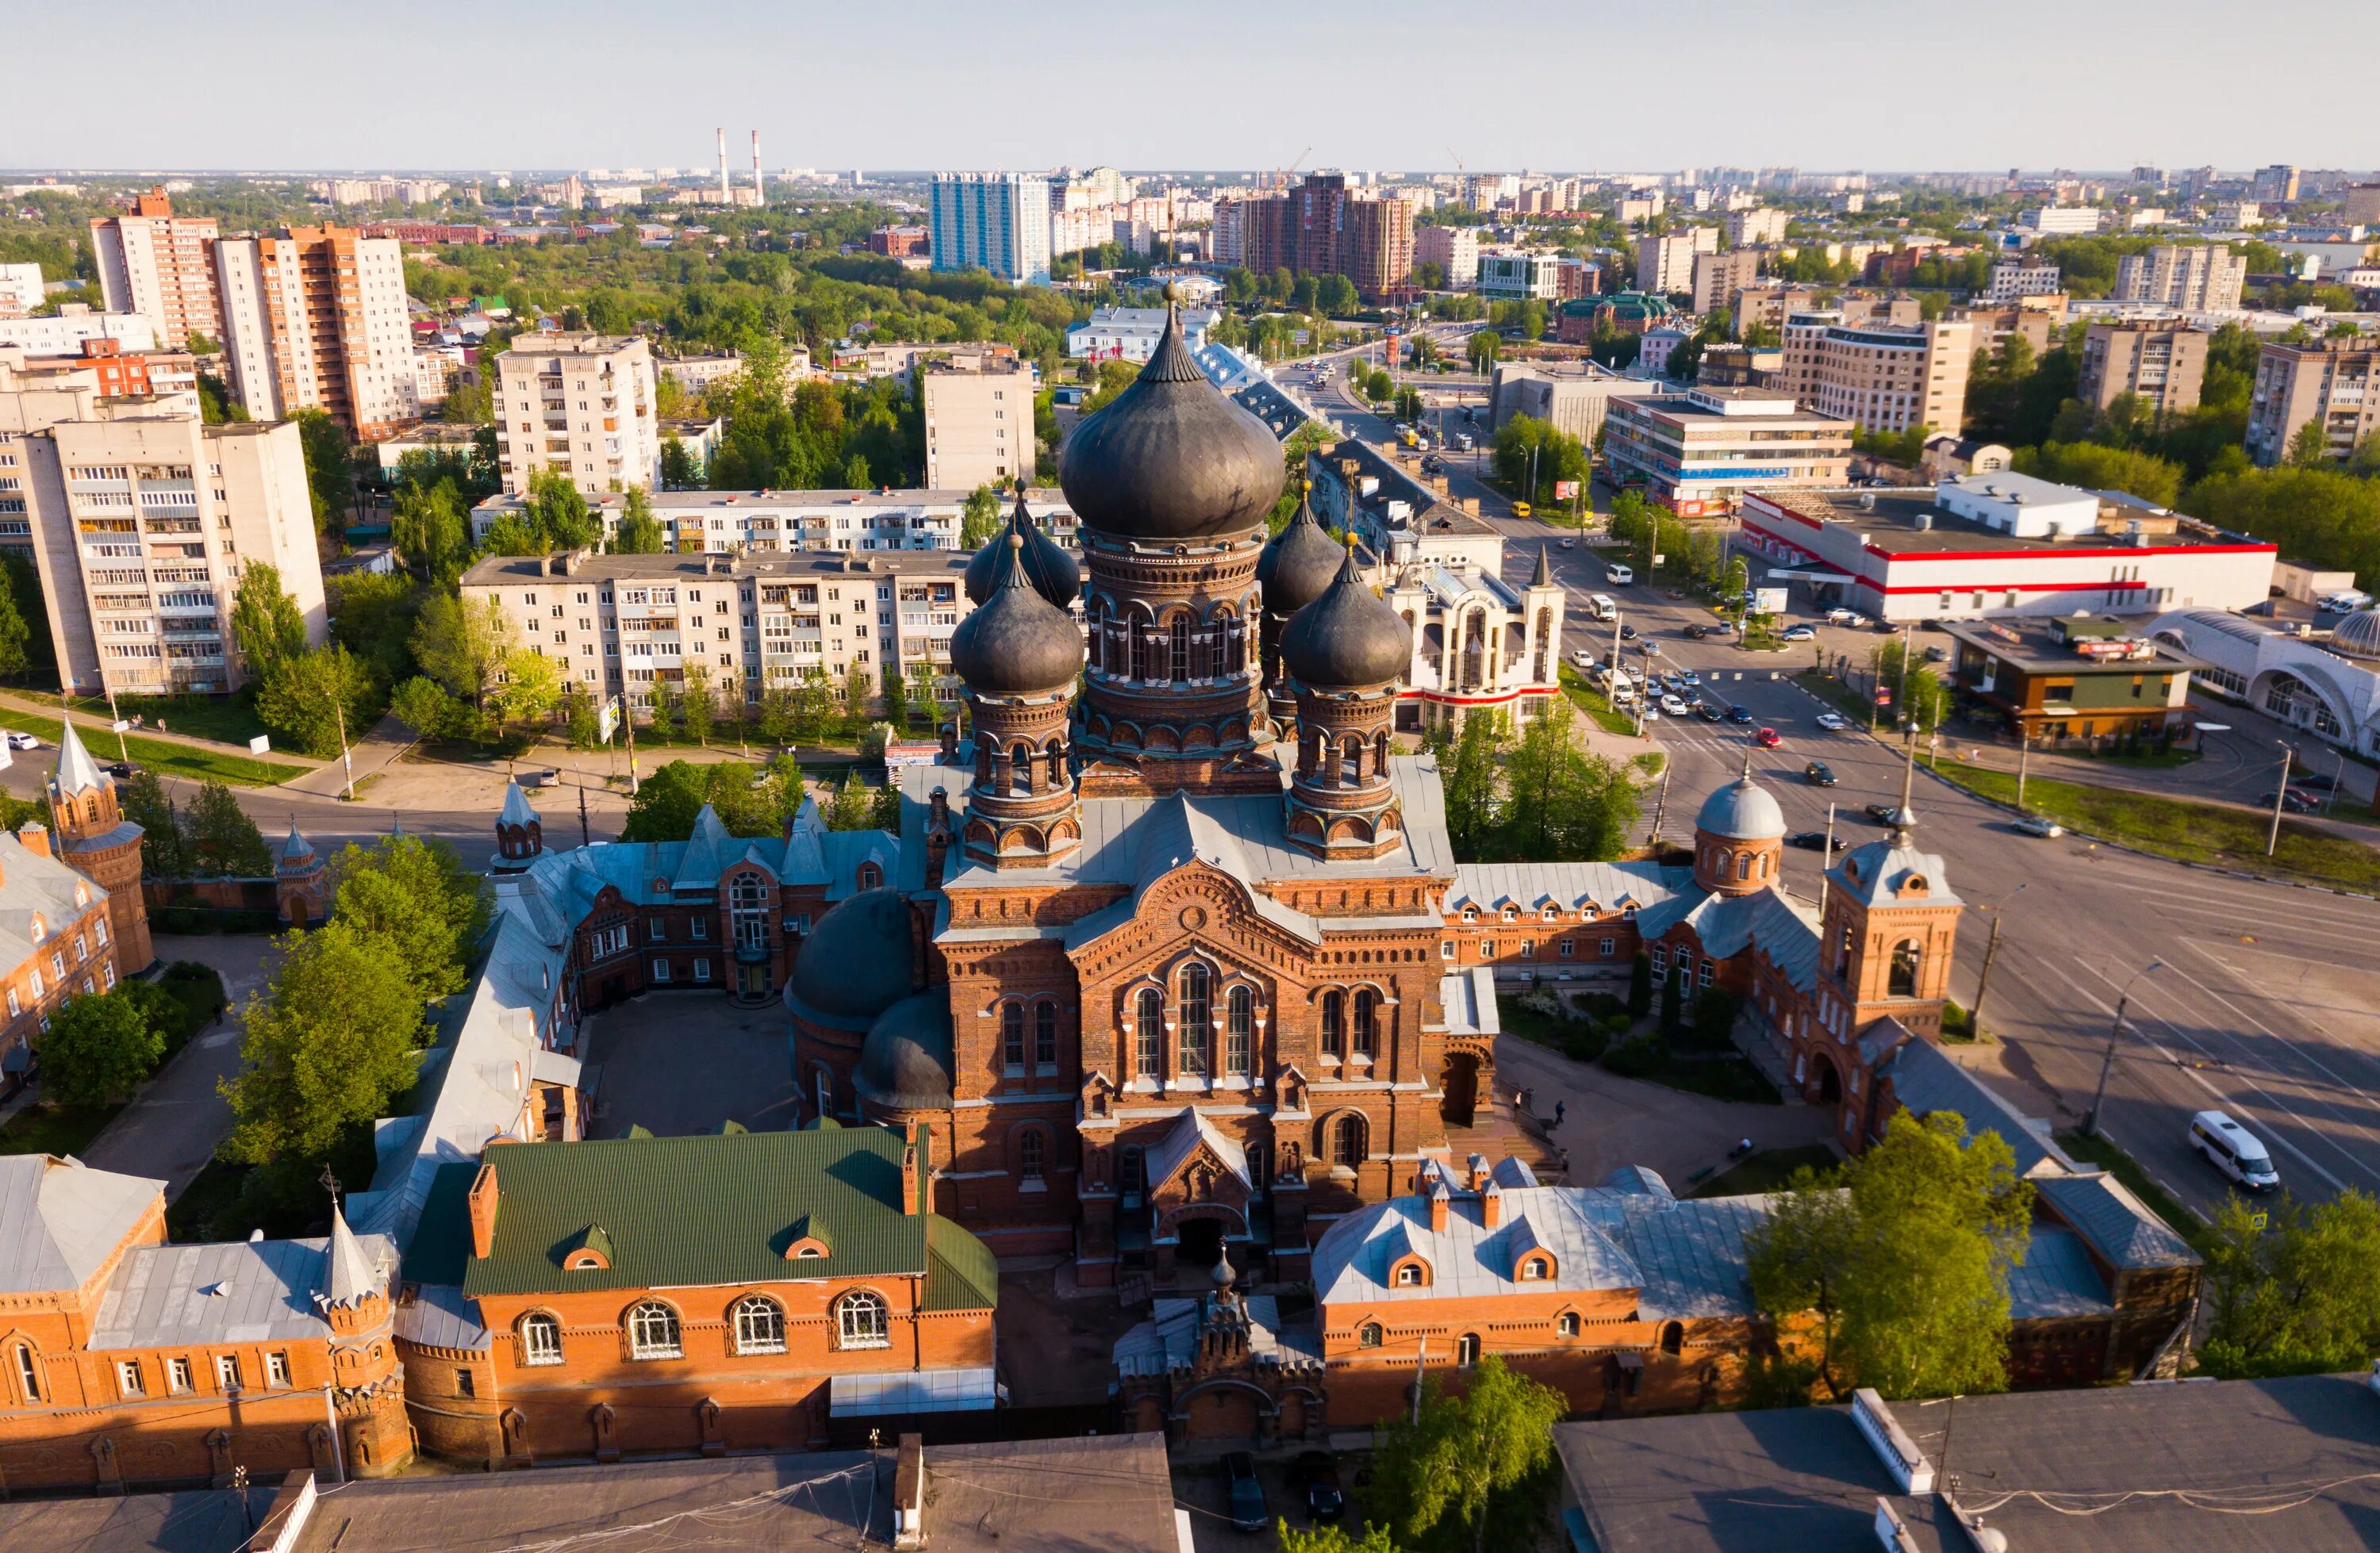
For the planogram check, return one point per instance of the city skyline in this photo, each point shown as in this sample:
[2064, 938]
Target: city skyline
[1253, 91]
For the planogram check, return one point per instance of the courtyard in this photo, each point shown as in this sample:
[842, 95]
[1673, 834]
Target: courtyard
[676, 1064]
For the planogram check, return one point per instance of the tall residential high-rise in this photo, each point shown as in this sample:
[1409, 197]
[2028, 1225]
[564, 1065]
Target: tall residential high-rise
[1881, 377]
[2198, 278]
[2362, 204]
[2278, 183]
[1750, 228]
[1320, 226]
[141, 523]
[998, 221]
[154, 262]
[581, 404]
[1454, 249]
[1667, 264]
[2164, 367]
[979, 422]
[1719, 277]
[315, 318]
[2332, 384]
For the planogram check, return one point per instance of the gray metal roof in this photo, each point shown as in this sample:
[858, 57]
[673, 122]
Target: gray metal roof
[1927, 1078]
[77, 772]
[438, 1316]
[1470, 1258]
[1469, 999]
[2114, 1222]
[1607, 888]
[34, 886]
[238, 1292]
[2056, 1279]
[194, 1520]
[1169, 1340]
[60, 1220]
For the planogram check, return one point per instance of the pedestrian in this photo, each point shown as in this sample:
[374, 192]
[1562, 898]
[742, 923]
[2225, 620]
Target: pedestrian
[1560, 1107]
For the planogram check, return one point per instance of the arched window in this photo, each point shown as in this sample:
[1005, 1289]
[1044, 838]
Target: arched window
[653, 1332]
[1044, 1033]
[1351, 761]
[1012, 1035]
[871, 875]
[1536, 1270]
[1673, 1338]
[1409, 1275]
[1566, 1325]
[1099, 636]
[1369, 1335]
[540, 1338]
[759, 1325]
[862, 1320]
[1131, 1170]
[1137, 634]
[1347, 1141]
[28, 1372]
[1020, 769]
[1239, 1031]
[748, 908]
[1902, 981]
[1236, 646]
[1744, 865]
[1028, 1154]
[1197, 1019]
[1367, 1020]
[1466, 1350]
[1148, 1037]
[1334, 1023]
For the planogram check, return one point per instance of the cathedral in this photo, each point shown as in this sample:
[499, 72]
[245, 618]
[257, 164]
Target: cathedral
[1160, 966]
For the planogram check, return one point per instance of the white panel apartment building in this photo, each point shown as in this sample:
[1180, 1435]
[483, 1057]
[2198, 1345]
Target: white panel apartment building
[1453, 249]
[154, 262]
[582, 403]
[780, 522]
[315, 318]
[2196, 277]
[998, 221]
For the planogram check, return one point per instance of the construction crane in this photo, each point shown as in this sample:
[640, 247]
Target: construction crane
[1284, 175]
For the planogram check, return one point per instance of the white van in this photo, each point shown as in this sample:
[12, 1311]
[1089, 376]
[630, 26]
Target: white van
[2347, 602]
[2234, 1150]
[1600, 606]
[1619, 576]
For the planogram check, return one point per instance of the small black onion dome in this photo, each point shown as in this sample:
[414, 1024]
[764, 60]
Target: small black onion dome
[1347, 639]
[856, 963]
[1019, 643]
[1049, 565]
[907, 1060]
[1171, 458]
[1297, 565]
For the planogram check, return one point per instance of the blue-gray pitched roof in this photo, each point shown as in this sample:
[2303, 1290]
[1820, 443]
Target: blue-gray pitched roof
[1927, 1078]
[2114, 1222]
[231, 1292]
[2056, 1279]
[60, 1220]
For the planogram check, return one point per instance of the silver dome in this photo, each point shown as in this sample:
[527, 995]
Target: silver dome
[1741, 811]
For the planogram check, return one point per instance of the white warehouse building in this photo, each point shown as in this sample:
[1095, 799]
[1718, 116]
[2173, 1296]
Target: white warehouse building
[2331, 689]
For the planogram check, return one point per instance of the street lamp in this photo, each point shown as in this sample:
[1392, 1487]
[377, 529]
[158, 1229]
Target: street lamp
[2280, 795]
[1991, 953]
[2107, 1062]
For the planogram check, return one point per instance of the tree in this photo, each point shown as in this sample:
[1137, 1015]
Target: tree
[923, 702]
[640, 531]
[556, 514]
[318, 701]
[415, 891]
[462, 646]
[581, 719]
[14, 634]
[1796, 1262]
[813, 704]
[2328, 516]
[978, 518]
[1526, 445]
[1481, 347]
[24, 594]
[1463, 1450]
[679, 470]
[858, 690]
[531, 689]
[330, 473]
[144, 802]
[851, 809]
[94, 1048]
[430, 529]
[329, 1043]
[2300, 1295]
[696, 709]
[218, 838]
[2310, 444]
[1466, 768]
[265, 624]
[1562, 804]
[422, 706]
[373, 617]
[1334, 1540]
[896, 698]
[2095, 467]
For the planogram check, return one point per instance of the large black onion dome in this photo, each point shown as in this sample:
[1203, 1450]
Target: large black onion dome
[1049, 565]
[1297, 565]
[1019, 643]
[1171, 458]
[856, 963]
[1347, 639]
[905, 1062]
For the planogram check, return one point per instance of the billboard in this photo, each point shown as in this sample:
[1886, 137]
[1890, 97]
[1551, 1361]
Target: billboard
[1565, 490]
[1769, 600]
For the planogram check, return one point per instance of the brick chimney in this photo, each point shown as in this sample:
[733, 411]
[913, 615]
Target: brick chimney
[1441, 1202]
[1479, 1173]
[909, 1493]
[483, 1212]
[913, 1171]
[1491, 1206]
[36, 837]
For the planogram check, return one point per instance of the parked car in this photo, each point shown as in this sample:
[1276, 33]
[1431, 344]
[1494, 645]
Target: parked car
[123, 770]
[2293, 801]
[1833, 723]
[1320, 1475]
[1817, 774]
[1769, 738]
[1627, 632]
[2038, 825]
[1799, 633]
[1935, 654]
[1881, 813]
[1739, 714]
[23, 741]
[1840, 616]
[1813, 840]
[1697, 633]
[2309, 782]
[1247, 1501]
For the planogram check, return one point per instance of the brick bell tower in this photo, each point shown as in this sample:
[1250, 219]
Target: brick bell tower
[1019, 654]
[95, 840]
[1344, 654]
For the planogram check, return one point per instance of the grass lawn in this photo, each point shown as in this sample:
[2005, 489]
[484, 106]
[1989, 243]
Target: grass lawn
[1767, 1169]
[48, 1129]
[1836, 693]
[232, 719]
[2191, 832]
[1592, 702]
[160, 756]
[2102, 1152]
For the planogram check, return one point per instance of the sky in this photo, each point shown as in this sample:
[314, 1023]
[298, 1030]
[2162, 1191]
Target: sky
[1373, 85]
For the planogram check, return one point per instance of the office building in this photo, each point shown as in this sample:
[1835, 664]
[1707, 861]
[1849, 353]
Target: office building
[1454, 249]
[2329, 382]
[2013, 278]
[2061, 220]
[1719, 277]
[1879, 377]
[978, 421]
[21, 290]
[998, 221]
[2197, 277]
[581, 404]
[1575, 397]
[1754, 227]
[1509, 276]
[315, 318]
[154, 262]
[1699, 452]
[1665, 265]
[2164, 365]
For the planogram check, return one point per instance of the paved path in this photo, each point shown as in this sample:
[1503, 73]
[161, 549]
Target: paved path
[381, 747]
[170, 1130]
[103, 743]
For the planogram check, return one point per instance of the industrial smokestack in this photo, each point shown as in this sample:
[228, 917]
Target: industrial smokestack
[759, 197]
[725, 196]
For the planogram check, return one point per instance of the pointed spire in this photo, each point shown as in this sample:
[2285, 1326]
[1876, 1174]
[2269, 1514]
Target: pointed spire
[517, 810]
[1746, 778]
[1545, 575]
[1904, 819]
[349, 1277]
[77, 772]
[297, 848]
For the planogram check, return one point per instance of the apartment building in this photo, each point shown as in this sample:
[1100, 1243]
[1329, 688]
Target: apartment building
[1120, 334]
[1719, 277]
[65, 333]
[1321, 227]
[1454, 249]
[978, 421]
[779, 522]
[2197, 277]
[630, 625]
[154, 262]
[1665, 265]
[1753, 227]
[1879, 377]
[21, 290]
[1510, 276]
[2330, 381]
[315, 318]
[2362, 202]
[2061, 220]
[1699, 452]
[2021, 277]
[2165, 367]
[998, 221]
[581, 404]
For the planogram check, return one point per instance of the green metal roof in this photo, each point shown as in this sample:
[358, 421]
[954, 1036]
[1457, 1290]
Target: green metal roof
[440, 1248]
[689, 1212]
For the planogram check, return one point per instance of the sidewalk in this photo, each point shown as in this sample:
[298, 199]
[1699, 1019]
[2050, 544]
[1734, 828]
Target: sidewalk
[374, 753]
[88, 724]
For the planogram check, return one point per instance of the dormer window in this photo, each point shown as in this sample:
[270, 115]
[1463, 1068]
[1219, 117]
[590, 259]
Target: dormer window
[1512, 913]
[871, 875]
[1548, 913]
[1409, 1276]
[1536, 1270]
[1471, 913]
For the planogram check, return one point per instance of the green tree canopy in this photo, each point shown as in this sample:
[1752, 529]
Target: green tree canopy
[318, 701]
[979, 517]
[640, 531]
[218, 839]
[95, 1049]
[144, 802]
[415, 891]
[329, 1041]
[2298, 1294]
[265, 621]
[1449, 1465]
[750, 800]
[1526, 445]
[2097, 467]
[462, 646]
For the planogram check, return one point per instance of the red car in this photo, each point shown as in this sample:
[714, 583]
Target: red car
[1768, 738]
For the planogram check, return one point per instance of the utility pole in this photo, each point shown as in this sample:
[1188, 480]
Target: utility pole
[346, 759]
[2107, 1062]
[586, 836]
[117, 720]
[1661, 803]
[1826, 860]
[628, 720]
[2280, 796]
[1983, 982]
[1611, 684]
[2024, 760]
